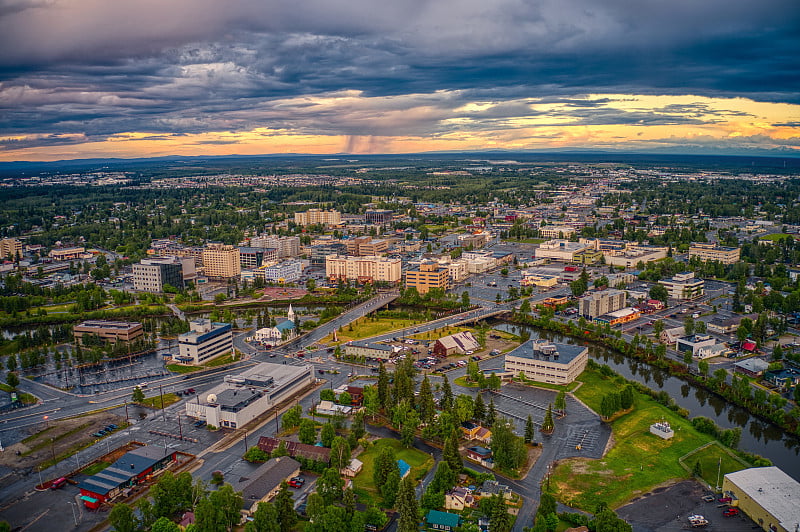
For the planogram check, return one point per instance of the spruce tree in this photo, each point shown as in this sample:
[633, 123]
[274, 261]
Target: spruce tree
[425, 404]
[491, 414]
[447, 395]
[383, 386]
[479, 409]
[407, 507]
[547, 425]
[450, 452]
[529, 430]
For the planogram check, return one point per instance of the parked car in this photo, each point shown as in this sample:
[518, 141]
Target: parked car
[199, 423]
[190, 390]
[57, 483]
[296, 482]
[724, 499]
[709, 498]
[730, 512]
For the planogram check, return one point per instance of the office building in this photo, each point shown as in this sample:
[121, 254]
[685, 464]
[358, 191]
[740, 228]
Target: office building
[204, 341]
[684, 286]
[221, 261]
[556, 231]
[559, 249]
[363, 269]
[547, 362]
[113, 331]
[711, 251]
[150, 275]
[10, 247]
[253, 257]
[601, 302]
[428, 275]
[241, 398]
[319, 252]
[767, 495]
[287, 271]
[318, 216]
[378, 216]
[365, 246]
[287, 246]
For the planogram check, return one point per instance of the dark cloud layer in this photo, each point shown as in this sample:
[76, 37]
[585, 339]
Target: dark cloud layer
[97, 68]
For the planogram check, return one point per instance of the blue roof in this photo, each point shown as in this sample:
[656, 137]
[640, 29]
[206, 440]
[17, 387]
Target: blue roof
[435, 517]
[403, 467]
[130, 465]
[285, 325]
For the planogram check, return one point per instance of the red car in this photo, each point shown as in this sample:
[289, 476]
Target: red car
[730, 512]
[296, 482]
[724, 499]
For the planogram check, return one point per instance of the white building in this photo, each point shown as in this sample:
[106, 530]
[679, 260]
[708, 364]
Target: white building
[556, 231]
[242, 398]
[684, 286]
[547, 362]
[204, 341]
[767, 495]
[559, 249]
[287, 271]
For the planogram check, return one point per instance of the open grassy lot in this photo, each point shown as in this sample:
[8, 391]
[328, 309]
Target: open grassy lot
[155, 401]
[367, 328]
[95, 468]
[595, 386]
[181, 368]
[638, 462]
[363, 483]
[714, 459]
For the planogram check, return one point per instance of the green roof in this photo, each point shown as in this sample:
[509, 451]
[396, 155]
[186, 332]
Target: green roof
[435, 517]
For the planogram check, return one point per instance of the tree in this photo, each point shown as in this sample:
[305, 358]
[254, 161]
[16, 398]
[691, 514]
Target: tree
[330, 485]
[327, 434]
[291, 418]
[607, 521]
[446, 403]
[499, 519]
[425, 404]
[700, 327]
[384, 464]
[529, 430]
[561, 401]
[265, 518]
[255, 454]
[465, 407]
[307, 433]
[608, 406]
[340, 453]
[345, 399]
[626, 397]
[383, 386]
[284, 506]
[508, 449]
[218, 511]
[491, 413]
[659, 292]
[371, 402]
[688, 325]
[138, 395]
[165, 525]
[391, 488]
[547, 424]
[658, 328]
[407, 507]
[122, 519]
[479, 409]
[493, 382]
[326, 394]
[444, 478]
[578, 287]
[12, 380]
[450, 452]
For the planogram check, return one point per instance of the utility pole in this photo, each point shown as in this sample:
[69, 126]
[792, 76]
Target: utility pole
[180, 427]
[161, 392]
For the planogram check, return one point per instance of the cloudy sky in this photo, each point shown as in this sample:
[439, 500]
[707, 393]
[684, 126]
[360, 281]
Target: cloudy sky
[132, 78]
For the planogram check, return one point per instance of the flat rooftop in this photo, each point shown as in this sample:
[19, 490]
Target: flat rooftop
[563, 354]
[773, 490]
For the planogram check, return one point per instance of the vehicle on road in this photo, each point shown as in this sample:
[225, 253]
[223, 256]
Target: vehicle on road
[730, 512]
[190, 391]
[57, 483]
[322, 372]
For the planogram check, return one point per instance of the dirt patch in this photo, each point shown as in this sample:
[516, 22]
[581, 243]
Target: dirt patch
[58, 437]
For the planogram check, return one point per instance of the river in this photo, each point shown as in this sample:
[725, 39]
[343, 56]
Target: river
[758, 437]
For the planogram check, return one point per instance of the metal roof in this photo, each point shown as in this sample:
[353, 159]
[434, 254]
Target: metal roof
[773, 490]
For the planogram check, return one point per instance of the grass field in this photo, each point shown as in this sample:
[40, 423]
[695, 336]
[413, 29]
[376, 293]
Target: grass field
[220, 361]
[638, 461]
[367, 328]
[714, 459]
[155, 401]
[775, 237]
[462, 381]
[363, 483]
[95, 468]
[25, 398]
[180, 368]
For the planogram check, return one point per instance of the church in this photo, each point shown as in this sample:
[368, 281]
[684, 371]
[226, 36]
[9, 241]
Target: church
[282, 332]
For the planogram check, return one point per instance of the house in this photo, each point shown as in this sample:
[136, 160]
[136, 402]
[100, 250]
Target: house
[469, 429]
[483, 435]
[670, 336]
[265, 482]
[482, 455]
[458, 499]
[783, 378]
[493, 487]
[752, 367]
[353, 468]
[329, 408]
[404, 468]
[356, 395]
[442, 520]
[295, 449]
[455, 344]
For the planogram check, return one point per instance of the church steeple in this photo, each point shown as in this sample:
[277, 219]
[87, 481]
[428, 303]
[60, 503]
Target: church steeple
[291, 315]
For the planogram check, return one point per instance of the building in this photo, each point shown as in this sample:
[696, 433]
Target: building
[766, 495]
[601, 302]
[536, 279]
[286, 246]
[618, 317]
[455, 344]
[150, 275]
[428, 275]
[547, 362]
[363, 269]
[684, 286]
[318, 216]
[253, 257]
[296, 449]
[556, 231]
[242, 398]
[490, 488]
[711, 251]
[378, 216]
[287, 271]
[221, 261]
[553, 302]
[112, 331]
[442, 520]
[132, 468]
[752, 367]
[634, 254]
[10, 247]
[559, 249]
[264, 483]
[723, 325]
[68, 253]
[363, 246]
[482, 455]
[458, 498]
[403, 468]
[204, 341]
[474, 240]
[694, 344]
[353, 468]
[369, 350]
[319, 252]
[662, 430]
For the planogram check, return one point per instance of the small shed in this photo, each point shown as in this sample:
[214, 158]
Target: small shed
[662, 430]
[404, 468]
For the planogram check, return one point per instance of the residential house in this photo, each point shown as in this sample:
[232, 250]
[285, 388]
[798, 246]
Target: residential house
[265, 482]
[670, 336]
[458, 498]
[295, 449]
[404, 468]
[752, 367]
[493, 487]
[483, 435]
[442, 520]
[482, 455]
[469, 429]
[353, 468]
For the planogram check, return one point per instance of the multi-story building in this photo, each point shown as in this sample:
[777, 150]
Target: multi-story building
[318, 216]
[547, 362]
[204, 341]
[560, 249]
[476, 240]
[601, 302]
[113, 331]
[287, 271]
[364, 246]
[428, 275]
[253, 257]
[221, 261]
[684, 286]
[363, 269]
[150, 275]
[378, 216]
[67, 253]
[10, 247]
[287, 246]
[319, 252]
[711, 251]
[556, 231]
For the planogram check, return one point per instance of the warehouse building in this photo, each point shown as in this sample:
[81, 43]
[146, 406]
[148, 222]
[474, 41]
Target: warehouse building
[766, 495]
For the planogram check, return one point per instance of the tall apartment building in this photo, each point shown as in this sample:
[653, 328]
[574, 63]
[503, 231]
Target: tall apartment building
[320, 252]
[601, 302]
[254, 257]
[378, 216]
[287, 246]
[363, 269]
[150, 275]
[318, 216]
[221, 260]
[711, 251]
[10, 247]
[364, 246]
[428, 275]
[684, 286]
[204, 341]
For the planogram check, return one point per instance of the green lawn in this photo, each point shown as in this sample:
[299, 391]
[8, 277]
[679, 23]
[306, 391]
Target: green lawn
[714, 459]
[95, 468]
[24, 398]
[363, 483]
[775, 237]
[220, 361]
[462, 381]
[639, 461]
[181, 368]
[155, 401]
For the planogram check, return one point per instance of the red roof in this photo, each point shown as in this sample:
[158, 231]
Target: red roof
[749, 345]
